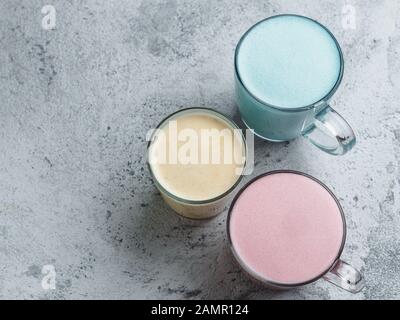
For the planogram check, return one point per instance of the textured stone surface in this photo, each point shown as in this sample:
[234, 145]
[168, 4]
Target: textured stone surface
[76, 103]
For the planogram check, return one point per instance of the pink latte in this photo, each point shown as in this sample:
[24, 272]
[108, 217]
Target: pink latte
[286, 228]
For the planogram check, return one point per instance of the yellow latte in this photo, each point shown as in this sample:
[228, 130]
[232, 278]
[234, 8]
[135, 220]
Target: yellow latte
[197, 156]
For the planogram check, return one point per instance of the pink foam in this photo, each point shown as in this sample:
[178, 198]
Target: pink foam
[286, 228]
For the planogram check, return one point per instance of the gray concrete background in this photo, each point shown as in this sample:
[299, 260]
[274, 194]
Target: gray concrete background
[75, 105]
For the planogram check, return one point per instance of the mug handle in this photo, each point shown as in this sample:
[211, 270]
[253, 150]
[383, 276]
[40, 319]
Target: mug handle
[330, 132]
[346, 277]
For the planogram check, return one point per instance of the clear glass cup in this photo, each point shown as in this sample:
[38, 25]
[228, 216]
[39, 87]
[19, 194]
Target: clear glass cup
[339, 273]
[317, 122]
[194, 209]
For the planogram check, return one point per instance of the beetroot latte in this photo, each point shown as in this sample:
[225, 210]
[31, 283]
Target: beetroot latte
[287, 229]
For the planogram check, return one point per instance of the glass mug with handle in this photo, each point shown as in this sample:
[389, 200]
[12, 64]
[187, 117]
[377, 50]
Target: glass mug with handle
[287, 229]
[287, 68]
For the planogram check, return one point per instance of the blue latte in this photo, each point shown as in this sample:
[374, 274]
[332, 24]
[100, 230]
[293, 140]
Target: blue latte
[289, 62]
[285, 64]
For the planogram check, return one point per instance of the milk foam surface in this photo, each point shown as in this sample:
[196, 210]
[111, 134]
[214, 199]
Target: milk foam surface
[198, 182]
[286, 228]
[289, 62]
